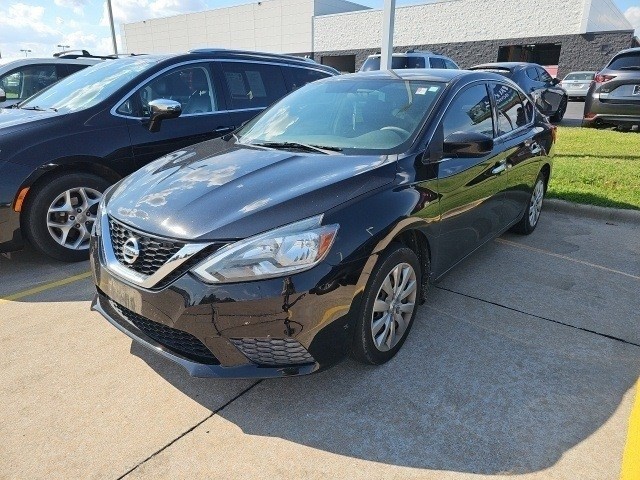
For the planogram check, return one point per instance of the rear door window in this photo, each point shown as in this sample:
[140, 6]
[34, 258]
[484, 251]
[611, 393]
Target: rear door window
[252, 85]
[298, 77]
[437, 62]
[450, 65]
[532, 73]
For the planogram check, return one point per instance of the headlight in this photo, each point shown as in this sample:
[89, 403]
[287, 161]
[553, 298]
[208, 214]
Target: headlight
[290, 249]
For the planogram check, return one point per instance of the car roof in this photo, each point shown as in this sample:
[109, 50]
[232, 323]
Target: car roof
[22, 62]
[506, 65]
[262, 56]
[426, 74]
[628, 50]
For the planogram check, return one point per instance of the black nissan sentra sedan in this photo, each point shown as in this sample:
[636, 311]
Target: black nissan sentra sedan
[315, 230]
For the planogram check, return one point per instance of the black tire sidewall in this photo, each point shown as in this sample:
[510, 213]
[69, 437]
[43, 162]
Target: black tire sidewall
[363, 347]
[37, 206]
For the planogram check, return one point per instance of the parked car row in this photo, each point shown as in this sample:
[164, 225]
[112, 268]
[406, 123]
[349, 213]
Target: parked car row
[65, 145]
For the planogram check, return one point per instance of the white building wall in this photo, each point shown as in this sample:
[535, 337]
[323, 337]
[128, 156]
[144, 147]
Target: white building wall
[605, 16]
[281, 26]
[271, 26]
[452, 21]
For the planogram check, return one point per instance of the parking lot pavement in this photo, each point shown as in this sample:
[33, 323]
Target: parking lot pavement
[573, 115]
[522, 365]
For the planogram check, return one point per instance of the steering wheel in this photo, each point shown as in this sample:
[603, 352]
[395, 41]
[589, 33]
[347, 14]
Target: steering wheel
[398, 130]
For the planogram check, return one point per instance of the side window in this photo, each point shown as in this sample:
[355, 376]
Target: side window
[74, 67]
[544, 76]
[532, 73]
[437, 62]
[27, 81]
[299, 77]
[511, 112]
[470, 111]
[191, 86]
[252, 85]
[450, 65]
[528, 107]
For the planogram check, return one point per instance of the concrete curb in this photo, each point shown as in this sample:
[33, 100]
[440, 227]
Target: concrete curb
[591, 211]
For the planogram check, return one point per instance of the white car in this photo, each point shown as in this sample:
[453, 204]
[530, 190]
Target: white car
[22, 78]
[577, 84]
[411, 59]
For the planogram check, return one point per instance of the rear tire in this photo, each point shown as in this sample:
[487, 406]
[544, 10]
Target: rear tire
[389, 306]
[531, 217]
[562, 108]
[60, 212]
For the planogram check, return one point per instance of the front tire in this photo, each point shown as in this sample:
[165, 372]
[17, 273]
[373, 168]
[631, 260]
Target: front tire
[59, 215]
[389, 306]
[529, 221]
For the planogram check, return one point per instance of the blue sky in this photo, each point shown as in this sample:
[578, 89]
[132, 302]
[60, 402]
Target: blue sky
[41, 25]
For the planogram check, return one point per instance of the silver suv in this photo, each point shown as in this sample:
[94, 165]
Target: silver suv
[411, 59]
[23, 78]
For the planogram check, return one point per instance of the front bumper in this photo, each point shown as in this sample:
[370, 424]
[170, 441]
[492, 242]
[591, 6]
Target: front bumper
[271, 328]
[10, 234]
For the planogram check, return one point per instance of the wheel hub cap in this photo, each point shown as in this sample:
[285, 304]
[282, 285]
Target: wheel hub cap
[71, 216]
[393, 307]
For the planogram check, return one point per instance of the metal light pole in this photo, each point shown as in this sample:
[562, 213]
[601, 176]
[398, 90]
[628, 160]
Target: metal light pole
[113, 29]
[388, 18]
[26, 51]
[63, 47]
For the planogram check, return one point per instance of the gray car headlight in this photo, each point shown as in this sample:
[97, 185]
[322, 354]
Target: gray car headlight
[290, 249]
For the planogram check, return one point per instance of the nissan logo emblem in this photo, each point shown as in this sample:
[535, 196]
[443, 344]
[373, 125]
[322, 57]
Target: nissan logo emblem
[130, 250]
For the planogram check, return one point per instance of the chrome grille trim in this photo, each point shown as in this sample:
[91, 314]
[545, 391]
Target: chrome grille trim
[112, 263]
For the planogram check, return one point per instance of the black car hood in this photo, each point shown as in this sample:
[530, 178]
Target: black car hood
[17, 117]
[216, 190]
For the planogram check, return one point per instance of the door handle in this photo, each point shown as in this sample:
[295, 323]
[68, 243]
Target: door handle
[498, 169]
[224, 129]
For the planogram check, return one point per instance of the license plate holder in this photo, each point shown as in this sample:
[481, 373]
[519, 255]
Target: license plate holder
[123, 294]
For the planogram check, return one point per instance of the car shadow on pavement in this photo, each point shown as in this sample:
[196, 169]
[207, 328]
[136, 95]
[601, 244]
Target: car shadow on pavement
[27, 269]
[475, 389]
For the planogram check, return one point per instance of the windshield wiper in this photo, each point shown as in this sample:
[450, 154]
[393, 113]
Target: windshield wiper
[327, 150]
[630, 67]
[38, 109]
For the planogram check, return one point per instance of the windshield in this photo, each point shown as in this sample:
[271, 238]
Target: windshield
[580, 76]
[626, 60]
[89, 86]
[347, 113]
[397, 63]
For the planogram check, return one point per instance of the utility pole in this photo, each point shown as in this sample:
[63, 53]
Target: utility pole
[388, 18]
[113, 29]
[63, 47]
[26, 51]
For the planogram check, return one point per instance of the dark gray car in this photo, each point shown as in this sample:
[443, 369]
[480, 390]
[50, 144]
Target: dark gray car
[614, 96]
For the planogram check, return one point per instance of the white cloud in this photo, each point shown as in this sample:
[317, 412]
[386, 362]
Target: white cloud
[127, 11]
[633, 15]
[76, 5]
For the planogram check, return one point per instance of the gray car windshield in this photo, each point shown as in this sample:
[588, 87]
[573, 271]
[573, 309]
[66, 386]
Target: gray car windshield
[89, 86]
[346, 113]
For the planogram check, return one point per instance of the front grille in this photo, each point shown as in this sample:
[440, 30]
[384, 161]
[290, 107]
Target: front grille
[180, 342]
[154, 251]
[273, 351]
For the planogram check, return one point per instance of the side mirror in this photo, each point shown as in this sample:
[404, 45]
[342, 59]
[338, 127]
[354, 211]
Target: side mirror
[3, 96]
[467, 144]
[162, 109]
[556, 81]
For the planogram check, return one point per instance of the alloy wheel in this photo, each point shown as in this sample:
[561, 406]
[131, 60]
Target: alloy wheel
[535, 206]
[71, 216]
[393, 307]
